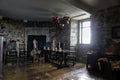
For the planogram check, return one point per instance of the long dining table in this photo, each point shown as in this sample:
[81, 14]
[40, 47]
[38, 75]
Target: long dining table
[59, 58]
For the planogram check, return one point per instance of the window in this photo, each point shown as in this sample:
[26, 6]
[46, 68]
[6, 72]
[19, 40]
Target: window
[84, 32]
[74, 28]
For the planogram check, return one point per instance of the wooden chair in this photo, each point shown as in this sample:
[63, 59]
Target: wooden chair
[34, 55]
[41, 57]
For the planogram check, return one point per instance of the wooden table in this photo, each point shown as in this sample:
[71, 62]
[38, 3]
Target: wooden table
[57, 57]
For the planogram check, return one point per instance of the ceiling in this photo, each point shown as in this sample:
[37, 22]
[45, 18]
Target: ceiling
[45, 9]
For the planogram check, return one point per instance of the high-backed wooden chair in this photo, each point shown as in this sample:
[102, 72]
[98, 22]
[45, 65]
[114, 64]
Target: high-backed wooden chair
[34, 55]
[41, 57]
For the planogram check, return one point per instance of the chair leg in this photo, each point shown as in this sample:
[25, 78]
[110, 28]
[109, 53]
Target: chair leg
[42, 60]
[35, 59]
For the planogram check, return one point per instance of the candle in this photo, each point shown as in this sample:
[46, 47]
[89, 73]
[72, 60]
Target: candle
[44, 48]
[59, 45]
[53, 45]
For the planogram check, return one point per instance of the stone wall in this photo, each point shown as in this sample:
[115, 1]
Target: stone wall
[82, 50]
[12, 31]
[18, 30]
[63, 36]
[103, 22]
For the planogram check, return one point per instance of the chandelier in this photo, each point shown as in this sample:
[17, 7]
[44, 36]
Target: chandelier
[61, 21]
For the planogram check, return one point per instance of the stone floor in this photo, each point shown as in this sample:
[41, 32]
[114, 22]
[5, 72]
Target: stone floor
[48, 72]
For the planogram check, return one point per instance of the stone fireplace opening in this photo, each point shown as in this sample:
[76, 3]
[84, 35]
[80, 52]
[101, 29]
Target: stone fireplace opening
[41, 42]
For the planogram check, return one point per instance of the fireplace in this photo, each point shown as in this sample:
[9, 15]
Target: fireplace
[41, 42]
